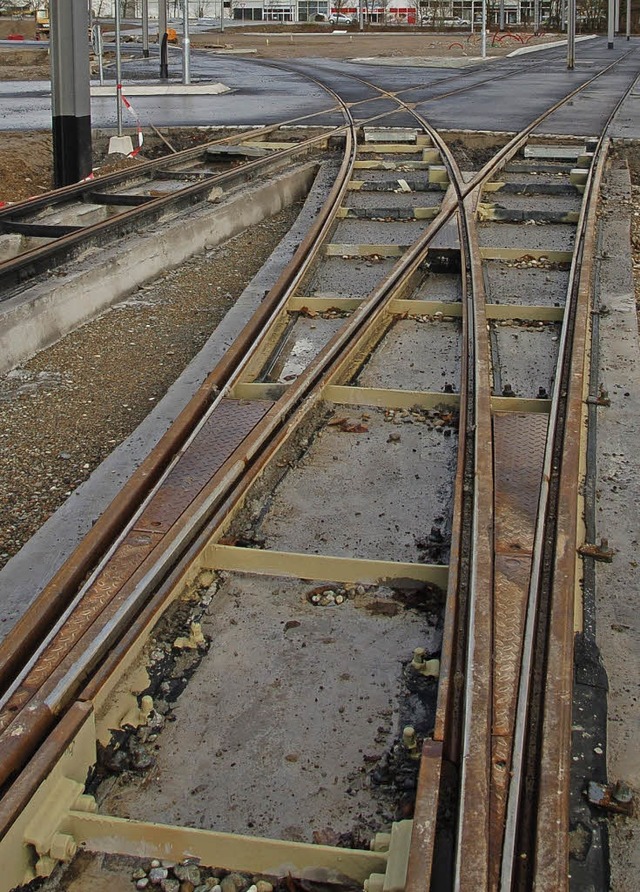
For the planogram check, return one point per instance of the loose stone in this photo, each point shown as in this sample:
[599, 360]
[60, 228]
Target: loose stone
[188, 872]
[158, 874]
[233, 882]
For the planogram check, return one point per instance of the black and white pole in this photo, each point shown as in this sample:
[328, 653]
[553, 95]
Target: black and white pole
[163, 39]
[70, 96]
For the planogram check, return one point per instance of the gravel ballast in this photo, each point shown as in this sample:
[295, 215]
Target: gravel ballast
[65, 410]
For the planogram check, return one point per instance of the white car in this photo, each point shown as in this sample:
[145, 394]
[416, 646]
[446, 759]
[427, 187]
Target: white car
[338, 18]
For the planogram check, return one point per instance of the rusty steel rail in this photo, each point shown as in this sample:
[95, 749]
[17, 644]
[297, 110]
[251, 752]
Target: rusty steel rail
[461, 752]
[37, 621]
[32, 262]
[74, 670]
[80, 670]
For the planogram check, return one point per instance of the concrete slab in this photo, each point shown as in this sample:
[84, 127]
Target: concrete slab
[382, 491]
[283, 719]
[514, 347]
[412, 366]
[618, 518]
[161, 89]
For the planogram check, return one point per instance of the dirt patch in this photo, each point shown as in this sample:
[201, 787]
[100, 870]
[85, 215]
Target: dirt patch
[26, 165]
[24, 65]
[23, 26]
[26, 158]
[305, 42]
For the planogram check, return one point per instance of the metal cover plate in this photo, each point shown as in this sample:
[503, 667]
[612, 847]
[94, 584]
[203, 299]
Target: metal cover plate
[229, 424]
[518, 442]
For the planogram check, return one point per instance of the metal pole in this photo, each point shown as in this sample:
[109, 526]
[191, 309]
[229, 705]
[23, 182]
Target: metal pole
[628, 19]
[70, 98]
[501, 15]
[361, 14]
[536, 16]
[186, 44]
[99, 51]
[484, 29]
[571, 36]
[162, 38]
[145, 28]
[116, 13]
[610, 24]
[221, 16]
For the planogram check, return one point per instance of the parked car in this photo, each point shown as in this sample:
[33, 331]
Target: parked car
[339, 18]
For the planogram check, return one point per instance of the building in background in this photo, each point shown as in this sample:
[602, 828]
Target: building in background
[592, 14]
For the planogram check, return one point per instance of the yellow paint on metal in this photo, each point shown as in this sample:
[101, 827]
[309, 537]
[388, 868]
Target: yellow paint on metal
[438, 174]
[405, 164]
[319, 567]
[534, 313]
[320, 304]
[391, 148]
[515, 404]
[345, 395]
[431, 156]
[252, 390]
[425, 307]
[578, 176]
[120, 702]
[337, 250]
[425, 213]
[488, 211]
[248, 854]
[525, 253]
[42, 822]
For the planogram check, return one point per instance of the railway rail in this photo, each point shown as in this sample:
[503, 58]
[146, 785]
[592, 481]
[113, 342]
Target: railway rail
[336, 387]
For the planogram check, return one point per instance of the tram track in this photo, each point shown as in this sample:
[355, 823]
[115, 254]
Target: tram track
[281, 403]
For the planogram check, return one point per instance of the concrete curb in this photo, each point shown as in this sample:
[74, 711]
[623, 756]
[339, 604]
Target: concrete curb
[161, 89]
[547, 46]
[44, 312]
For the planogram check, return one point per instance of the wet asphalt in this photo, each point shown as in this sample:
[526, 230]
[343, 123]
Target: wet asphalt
[504, 94]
